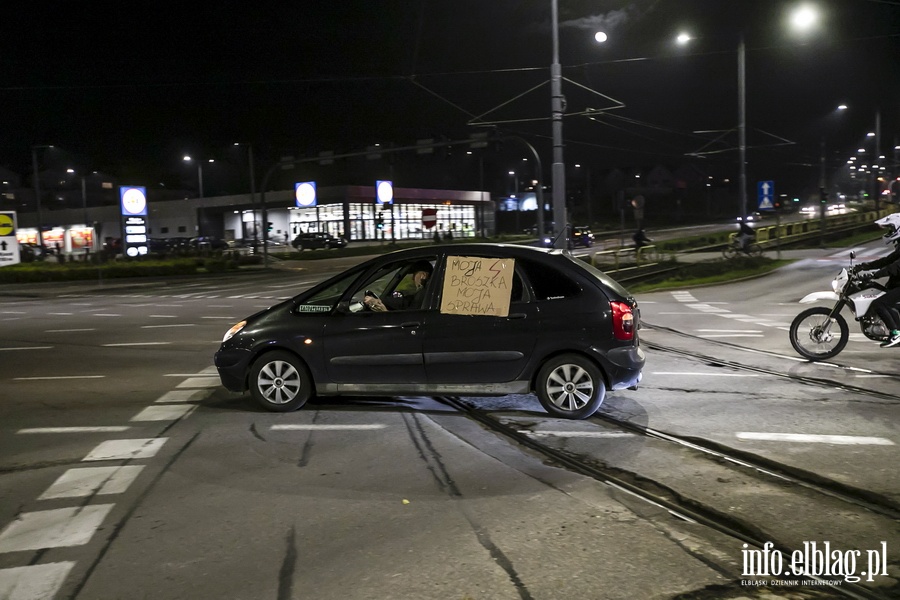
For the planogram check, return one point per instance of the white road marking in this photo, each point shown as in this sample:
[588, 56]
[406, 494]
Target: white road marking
[184, 396]
[814, 439]
[163, 316]
[69, 330]
[59, 377]
[730, 330]
[106, 315]
[578, 434]
[303, 427]
[136, 344]
[706, 374]
[170, 412]
[61, 314]
[732, 335]
[57, 528]
[13, 312]
[87, 481]
[126, 449]
[34, 582]
[29, 348]
[97, 429]
[200, 382]
[162, 326]
[230, 318]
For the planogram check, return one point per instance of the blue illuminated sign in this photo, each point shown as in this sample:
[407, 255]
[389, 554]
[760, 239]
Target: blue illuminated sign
[384, 192]
[305, 194]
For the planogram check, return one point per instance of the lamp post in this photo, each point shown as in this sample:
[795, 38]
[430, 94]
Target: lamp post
[188, 159]
[558, 169]
[803, 20]
[252, 189]
[37, 192]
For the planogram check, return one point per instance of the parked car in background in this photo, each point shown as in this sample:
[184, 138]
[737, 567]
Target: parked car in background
[31, 252]
[312, 241]
[491, 320]
[208, 243]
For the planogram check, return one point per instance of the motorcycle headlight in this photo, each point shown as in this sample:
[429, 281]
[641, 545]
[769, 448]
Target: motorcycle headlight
[234, 330]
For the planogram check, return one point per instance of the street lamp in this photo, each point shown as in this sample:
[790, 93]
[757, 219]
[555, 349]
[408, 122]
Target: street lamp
[37, 192]
[803, 20]
[188, 159]
[252, 189]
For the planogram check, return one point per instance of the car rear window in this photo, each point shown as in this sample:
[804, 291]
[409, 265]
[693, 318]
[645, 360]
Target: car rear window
[547, 282]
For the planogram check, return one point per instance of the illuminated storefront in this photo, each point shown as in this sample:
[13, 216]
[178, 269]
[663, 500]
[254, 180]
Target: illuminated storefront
[348, 211]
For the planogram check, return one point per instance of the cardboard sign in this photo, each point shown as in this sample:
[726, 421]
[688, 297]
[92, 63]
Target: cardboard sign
[474, 285]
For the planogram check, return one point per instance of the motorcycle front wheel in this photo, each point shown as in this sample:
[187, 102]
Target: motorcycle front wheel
[817, 336]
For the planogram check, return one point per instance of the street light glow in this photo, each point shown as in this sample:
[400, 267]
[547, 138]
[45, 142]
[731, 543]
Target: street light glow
[805, 18]
[683, 38]
[600, 37]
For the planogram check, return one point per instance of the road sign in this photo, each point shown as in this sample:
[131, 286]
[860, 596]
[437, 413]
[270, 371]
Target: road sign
[765, 192]
[9, 245]
[429, 217]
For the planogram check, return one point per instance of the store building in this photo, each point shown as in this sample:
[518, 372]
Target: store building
[348, 211]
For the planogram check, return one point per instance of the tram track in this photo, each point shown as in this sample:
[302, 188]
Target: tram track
[822, 495]
[818, 381]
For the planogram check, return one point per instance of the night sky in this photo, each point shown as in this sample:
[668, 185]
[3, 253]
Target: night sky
[130, 87]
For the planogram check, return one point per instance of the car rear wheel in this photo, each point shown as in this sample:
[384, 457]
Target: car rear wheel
[280, 382]
[570, 386]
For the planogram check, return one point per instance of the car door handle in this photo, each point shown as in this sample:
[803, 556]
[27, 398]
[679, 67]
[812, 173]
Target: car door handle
[410, 324]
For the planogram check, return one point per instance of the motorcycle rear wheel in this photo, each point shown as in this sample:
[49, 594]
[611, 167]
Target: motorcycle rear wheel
[813, 336]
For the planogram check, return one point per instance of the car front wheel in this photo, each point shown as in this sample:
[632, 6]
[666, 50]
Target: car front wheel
[280, 382]
[570, 387]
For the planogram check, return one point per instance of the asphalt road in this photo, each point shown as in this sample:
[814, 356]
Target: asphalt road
[126, 471]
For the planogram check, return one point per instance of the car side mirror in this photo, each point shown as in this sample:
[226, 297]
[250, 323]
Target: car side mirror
[852, 255]
[343, 307]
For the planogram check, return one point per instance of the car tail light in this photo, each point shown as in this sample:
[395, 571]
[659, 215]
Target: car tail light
[623, 321]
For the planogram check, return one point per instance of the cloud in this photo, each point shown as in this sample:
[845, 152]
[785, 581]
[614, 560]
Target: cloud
[603, 22]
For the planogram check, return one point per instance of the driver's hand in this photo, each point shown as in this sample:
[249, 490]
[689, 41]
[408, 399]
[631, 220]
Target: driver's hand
[374, 304]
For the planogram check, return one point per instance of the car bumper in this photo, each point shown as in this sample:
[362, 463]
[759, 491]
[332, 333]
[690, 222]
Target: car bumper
[232, 366]
[625, 366]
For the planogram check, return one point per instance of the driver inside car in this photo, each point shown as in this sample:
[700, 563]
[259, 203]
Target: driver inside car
[420, 272]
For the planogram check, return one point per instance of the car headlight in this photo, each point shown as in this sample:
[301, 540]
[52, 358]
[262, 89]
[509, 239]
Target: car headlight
[234, 330]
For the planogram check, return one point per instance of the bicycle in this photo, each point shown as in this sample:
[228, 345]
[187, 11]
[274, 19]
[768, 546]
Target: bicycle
[734, 249]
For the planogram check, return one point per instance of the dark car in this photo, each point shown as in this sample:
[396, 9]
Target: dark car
[578, 236]
[494, 320]
[208, 243]
[581, 236]
[311, 241]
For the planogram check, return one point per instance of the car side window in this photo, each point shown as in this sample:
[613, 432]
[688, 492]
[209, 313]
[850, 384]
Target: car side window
[548, 283]
[392, 280]
[327, 298]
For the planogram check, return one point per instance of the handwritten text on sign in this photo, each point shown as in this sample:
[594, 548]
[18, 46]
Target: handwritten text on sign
[477, 286]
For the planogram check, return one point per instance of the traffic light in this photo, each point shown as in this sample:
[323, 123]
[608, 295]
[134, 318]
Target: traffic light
[379, 222]
[269, 226]
[823, 196]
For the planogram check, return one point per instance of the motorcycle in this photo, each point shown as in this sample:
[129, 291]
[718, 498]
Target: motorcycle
[820, 333]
